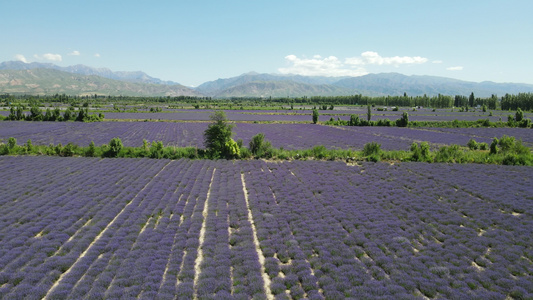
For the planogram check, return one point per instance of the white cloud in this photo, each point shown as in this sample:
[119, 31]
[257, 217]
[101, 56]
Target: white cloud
[373, 58]
[458, 68]
[75, 53]
[352, 66]
[318, 66]
[21, 58]
[437, 61]
[97, 55]
[49, 56]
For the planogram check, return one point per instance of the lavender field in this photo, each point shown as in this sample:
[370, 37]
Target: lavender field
[302, 116]
[288, 136]
[84, 228]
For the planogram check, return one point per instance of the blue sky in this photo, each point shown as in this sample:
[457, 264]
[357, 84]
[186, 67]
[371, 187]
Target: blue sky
[191, 42]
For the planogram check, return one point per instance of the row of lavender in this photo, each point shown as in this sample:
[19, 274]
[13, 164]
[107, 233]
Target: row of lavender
[428, 233]
[301, 116]
[135, 228]
[288, 136]
[134, 231]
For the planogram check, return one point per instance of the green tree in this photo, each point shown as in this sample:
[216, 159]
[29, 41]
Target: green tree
[35, 114]
[368, 113]
[519, 116]
[403, 121]
[217, 137]
[315, 116]
[354, 120]
[471, 100]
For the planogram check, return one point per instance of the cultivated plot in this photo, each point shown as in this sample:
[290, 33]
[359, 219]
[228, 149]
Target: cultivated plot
[289, 136]
[85, 228]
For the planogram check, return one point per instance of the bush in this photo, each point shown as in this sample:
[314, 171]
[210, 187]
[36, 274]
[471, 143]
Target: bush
[115, 145]
[450, 153]
[28, 146]
[420, 152]
[68, 150]
[91, 151]
[319, 151]
[494, 146]
[472, 144]
[372, 151]
[525, 123]
[354, 120]
[506, 143]
[258, 146]
[156, 151]
[513, 160]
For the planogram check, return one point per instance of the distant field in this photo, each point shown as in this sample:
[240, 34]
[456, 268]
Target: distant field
[289, 136]
[74, 228]
[303, 116]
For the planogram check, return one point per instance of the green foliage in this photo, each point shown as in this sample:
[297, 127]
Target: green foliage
[372, 151]
[233, 149]
[35, 114]
[115, 145]
[10, 147]
[472, 144]
[494, 146]
[91, 151]
[16, 113]
[315, 116]
[259, 147]
[156, 151]
[69, 150]
[519, 115]
[448, 154]
[12, 143]
[420, 152]
[403, 121]
[319, 152]
[514, 159]
[354, 120]
[525, 123]
[368, 113]
[29, 146]
[217, 137]
[68, 114]
[509, 146]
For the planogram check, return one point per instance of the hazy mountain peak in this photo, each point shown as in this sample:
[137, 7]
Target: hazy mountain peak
[135, 76]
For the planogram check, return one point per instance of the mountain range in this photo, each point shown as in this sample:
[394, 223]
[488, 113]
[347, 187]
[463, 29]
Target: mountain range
[39, 78]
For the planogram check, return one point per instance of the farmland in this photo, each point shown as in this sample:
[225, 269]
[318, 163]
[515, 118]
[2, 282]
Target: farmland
[293, 228]
[289, 136]
[111, 228]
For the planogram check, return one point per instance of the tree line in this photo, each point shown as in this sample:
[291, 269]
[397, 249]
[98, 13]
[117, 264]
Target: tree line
[16, 113]
[512, 102]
